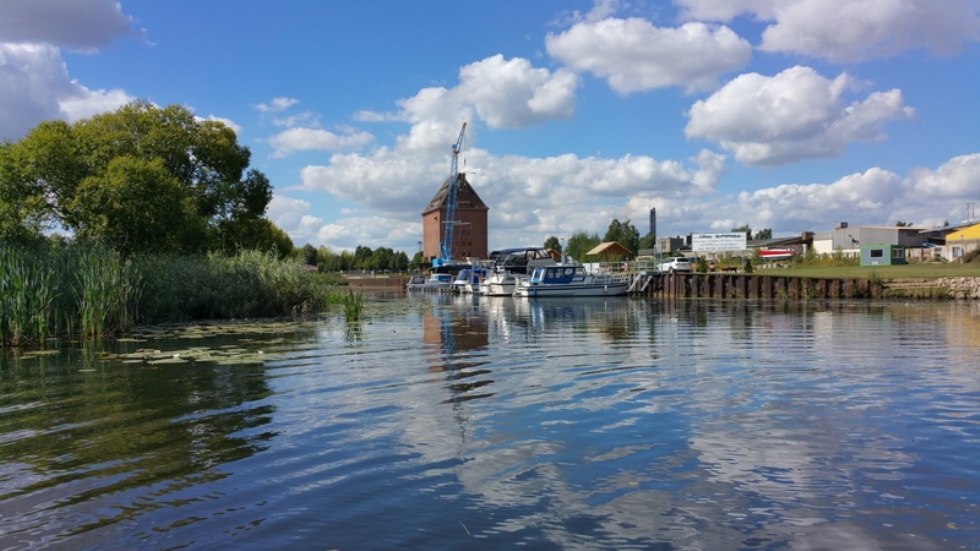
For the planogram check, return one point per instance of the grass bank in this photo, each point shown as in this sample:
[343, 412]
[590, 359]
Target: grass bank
[922, 270]
[74, 291]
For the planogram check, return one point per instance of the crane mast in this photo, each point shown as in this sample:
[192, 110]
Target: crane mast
[449, 220]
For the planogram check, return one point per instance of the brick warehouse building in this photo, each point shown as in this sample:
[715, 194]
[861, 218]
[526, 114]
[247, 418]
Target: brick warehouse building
[470, 229]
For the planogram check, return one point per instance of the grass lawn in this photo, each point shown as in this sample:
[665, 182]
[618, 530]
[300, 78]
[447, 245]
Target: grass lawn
[926, 270]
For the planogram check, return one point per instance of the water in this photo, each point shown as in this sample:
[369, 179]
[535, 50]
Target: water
[451, 423]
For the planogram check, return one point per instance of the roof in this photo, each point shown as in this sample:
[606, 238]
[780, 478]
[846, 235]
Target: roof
[967, 233]
[609, 247]
[466, 196]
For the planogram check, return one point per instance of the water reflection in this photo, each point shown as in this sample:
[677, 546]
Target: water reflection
[89, 441]
[458, 422]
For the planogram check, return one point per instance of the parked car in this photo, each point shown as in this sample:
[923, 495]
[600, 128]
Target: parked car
[676, 264]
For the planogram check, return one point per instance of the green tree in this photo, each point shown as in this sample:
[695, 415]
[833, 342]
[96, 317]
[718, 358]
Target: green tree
[308, 254]
[381, 258]
[137, 207]
[648, 241]
[418, 261]
[765, 233]
[49, 178]
[362, 258]
[553, 243]
[625, 234]
[580, 243]
[400, 262]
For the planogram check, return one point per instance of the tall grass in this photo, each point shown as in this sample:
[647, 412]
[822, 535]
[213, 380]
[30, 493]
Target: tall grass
[92, 291]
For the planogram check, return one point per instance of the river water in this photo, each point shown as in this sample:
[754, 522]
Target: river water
[443, 422]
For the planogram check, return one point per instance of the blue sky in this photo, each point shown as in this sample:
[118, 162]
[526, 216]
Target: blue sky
[785, 114]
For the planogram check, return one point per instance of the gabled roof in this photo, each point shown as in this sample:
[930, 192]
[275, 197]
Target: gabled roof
[466, 196]
[609, 247]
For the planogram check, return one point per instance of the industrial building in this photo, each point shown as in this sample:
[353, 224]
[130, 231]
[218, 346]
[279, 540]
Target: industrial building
[469, 227]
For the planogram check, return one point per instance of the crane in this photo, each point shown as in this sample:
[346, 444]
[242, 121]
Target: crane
[449, 218]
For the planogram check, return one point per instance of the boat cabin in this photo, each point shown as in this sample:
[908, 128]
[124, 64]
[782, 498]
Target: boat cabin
[552, 275]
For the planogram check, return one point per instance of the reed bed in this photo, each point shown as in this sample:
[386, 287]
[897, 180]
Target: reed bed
[86, 292]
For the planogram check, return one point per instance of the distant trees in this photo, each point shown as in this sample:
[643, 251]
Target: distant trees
[625, 234]
[580, 243]
[765, 233]
[363, 258]
[139, 179]
[553, 243]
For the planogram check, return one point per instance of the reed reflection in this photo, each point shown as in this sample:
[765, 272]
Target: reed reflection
[93, 436]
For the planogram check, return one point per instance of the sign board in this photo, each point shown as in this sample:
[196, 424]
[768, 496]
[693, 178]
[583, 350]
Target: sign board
[718, 242]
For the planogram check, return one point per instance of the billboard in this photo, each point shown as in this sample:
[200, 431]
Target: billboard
[718, 242]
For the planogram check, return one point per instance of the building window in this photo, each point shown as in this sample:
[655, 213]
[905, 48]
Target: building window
[877, 253]
[898, 253]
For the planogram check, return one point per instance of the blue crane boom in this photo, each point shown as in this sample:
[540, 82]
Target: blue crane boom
[449, 218]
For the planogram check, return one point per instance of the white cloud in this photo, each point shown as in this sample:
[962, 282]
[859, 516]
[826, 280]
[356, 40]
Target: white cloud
[529, 198]
[958, 178]
[851, 30]
[276, 105]
[512, 93]
[868, 196]
[64, 23]
[503, 93]
[793, 115]
[633, 55]
[310, 139]
[35, 86]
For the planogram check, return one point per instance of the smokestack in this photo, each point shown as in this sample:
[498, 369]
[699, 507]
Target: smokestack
[653, 224]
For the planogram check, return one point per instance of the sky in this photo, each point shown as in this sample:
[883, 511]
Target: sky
[792, 115]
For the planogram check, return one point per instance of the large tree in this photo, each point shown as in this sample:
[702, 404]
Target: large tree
[579, 244]
[140, 178]
[625, 234]
[553, 243]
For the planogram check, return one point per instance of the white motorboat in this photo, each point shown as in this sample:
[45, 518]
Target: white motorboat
[435, 282]
[500, 284]
[569, 280]
[468, 280]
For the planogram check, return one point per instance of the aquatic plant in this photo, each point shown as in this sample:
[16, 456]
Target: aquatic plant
[92, 291]
[353, 306]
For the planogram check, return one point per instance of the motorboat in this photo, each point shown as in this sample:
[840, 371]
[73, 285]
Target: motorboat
[435, 282]
[500, 283]
[512, 266]
[468, 280]
[569, 280]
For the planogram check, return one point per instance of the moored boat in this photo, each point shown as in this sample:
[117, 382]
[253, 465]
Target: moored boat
[500, 284]
[435, 282]
[569, 280]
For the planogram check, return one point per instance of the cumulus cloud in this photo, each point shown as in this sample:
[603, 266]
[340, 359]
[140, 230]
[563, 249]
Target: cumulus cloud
[925, 196]
[66, 24]
[311, 139]
[633, 55]
[793, 115]
[869, 195]
[958, 178]
[35, 86]
[503, 93]
[276, 105]
[530, 198]
[851, 30]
